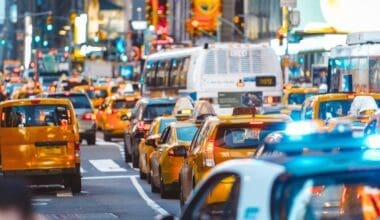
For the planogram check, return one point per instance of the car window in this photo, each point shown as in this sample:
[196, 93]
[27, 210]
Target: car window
[217, 199]
[333, 196]
[165, 135]
[298, 98]
[79, 101]
[333, 109]
[201, 136]
[152, 111]
[164, 123]
[186, 133]
[93, 94]
[246, 135]
[35, 115]
[118, 104]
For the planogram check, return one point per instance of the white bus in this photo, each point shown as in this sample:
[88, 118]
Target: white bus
[226, 74]
[355, 67]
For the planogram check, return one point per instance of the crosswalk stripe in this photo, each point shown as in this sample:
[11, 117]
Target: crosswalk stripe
[107, 165]
[82, 170]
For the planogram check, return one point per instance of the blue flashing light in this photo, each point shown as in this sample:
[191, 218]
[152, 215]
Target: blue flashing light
[45, 43]
[300, 128]
[2, 42]
[373, 141]
[67, 48]
[37, 38]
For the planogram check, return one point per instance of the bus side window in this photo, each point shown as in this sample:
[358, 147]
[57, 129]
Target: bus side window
[150, 73]
[174, 73]
[162, 73]
[183, 72]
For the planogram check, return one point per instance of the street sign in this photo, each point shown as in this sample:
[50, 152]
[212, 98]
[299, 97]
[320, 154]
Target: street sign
[288, 3]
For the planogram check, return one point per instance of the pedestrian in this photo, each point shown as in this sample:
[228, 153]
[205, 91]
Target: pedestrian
[15, 201]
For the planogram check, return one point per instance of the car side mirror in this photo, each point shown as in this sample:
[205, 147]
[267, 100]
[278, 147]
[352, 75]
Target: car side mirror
[178, 151]
[124, 118]
[152, 142]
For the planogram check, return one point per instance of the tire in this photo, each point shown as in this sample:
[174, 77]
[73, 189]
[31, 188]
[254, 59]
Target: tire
[106, 136]
[142, 175]
[76, 184]
[135, 155]
[163, 191]
[91, 140]
[127, 156]
[181, 199]
[153, 188]
[148, 178]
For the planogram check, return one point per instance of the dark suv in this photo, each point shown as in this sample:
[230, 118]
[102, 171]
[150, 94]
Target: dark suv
[84, 112]
[142, 116]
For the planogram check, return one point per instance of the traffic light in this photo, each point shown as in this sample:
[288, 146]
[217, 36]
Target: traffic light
[49, 23]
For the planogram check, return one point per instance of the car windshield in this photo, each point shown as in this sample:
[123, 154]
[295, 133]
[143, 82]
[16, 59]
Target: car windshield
[246, 135]
[118, 104]
[298, 98]
[164, 123]
[152, 111]
[95, 94]
[333, 109]
[35, 115]
[186, 133]
[336, 196]
[79, 101]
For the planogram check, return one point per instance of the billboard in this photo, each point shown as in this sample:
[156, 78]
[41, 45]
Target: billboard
[240, 99]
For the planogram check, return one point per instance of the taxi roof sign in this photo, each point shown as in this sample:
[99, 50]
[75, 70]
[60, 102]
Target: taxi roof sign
[244, 111]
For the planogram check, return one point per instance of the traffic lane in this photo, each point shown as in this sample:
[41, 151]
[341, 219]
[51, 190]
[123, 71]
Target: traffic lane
[105, 195]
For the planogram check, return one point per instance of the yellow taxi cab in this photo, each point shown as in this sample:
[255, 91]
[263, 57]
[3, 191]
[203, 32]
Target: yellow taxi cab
[39, 139]
[222, 138]
[334, 105]
[166, 160]
[97, 94]
[114, 114]
[147, 146]
[31, 89]
[294, 96]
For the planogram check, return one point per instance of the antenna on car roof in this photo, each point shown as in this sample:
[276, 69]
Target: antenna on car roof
[205, 46]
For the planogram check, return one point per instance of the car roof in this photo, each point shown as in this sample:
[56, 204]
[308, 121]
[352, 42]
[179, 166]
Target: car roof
[249, 118]
[157, 101]
[324, 163]
[36, 101]
[343, 96]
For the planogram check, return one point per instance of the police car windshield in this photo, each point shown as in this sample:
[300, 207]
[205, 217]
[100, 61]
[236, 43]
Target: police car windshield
[333, 196]
[333, 109]
[246, 135]
[298, 98]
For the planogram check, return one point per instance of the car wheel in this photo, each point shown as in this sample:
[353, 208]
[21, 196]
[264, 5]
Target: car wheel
[181, 199]
[135, 156]
[76, 184]
[163, 191]
[91, 140]
[148, 178]
[153, 188]
[127, 156]
[142, 175]
[106, 136]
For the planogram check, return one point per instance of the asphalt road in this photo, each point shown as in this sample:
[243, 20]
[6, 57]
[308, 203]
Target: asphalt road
[111, 189]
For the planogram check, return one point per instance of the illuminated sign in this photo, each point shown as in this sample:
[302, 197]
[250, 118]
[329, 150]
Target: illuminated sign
[262, 81]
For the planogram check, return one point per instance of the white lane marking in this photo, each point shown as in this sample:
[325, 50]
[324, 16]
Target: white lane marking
[107, 177]
[107, 165]
[41, 200]
[148, 200]
[64, 194]
[39, 203]
[82, 170]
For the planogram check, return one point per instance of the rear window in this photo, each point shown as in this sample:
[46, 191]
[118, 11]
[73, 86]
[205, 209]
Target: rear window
[186, 133]
[245, 135]
[79, 101]
[152, 111]
[94, 94]
[165, 123]
[35, 116]
[118, 104]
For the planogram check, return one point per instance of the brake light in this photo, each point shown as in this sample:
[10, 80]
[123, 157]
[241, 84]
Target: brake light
[208, 157]
[77, 149]
[66, 93]
[140, 125]
[88, 116]
[111, 111]
[171, 153]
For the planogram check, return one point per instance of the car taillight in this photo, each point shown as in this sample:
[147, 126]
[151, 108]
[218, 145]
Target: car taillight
[77, 149]
[140, 125]
[88, 116]
[208, 155]
[111, 111]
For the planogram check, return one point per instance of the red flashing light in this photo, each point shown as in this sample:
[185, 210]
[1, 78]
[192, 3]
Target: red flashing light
[88, 116]
[40, 54]
[66, 54]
